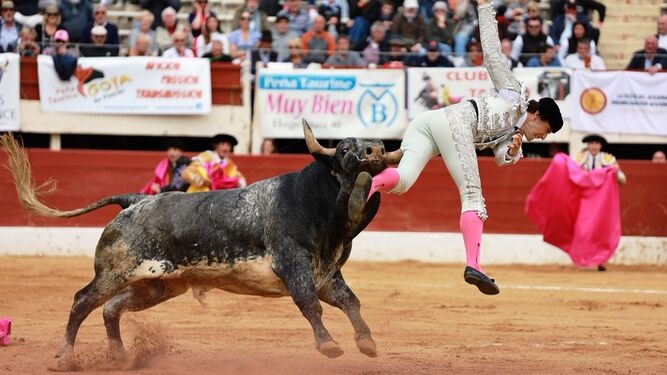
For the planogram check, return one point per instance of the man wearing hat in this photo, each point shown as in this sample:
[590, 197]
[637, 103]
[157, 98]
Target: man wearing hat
[167, 174]
[111, 37]
[214, 169]
[433, 57]
[592, 157]
[9, 28]
[281, 37]
[264, 51]
[498, 119]
[97, 47]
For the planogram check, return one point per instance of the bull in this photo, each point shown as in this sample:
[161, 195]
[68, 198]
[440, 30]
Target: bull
[284, 236]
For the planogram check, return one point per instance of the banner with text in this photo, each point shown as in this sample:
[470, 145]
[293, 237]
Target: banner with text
[433, 88]
[336, 103]
[9, 91]
[619, 102]
[547, 82]
[136, 85]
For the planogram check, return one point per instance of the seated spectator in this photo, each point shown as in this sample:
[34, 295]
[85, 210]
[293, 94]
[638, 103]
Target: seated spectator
[658, 157]
[76, 15]
[569, 46]
[169, 25]
[157, 7]
[179, 49]
[281, 37]
[662, 32]
[515, 25]
[167, 173]
[387, 15]
[271, 7]
[651, 59]
[214, 170]
[474, 55]
[565, 12]
[64, 61]
[333, 11]
[296, 54]
[217, 52]
[375, 50]
[440, 28]
[198, 16]
[410, 25]
[363, 13]
[316, 43]
[243, 40]
[583, 58]
[343, 57]
[433, 58]
[27, 46]
[9, 28]
[528, 44]
[111, 39]
[547, 58]
[144, 27]
[268, 147]
[298, 18]
[263, 53]
[142, 46]
[465, 16]
[506, 48]
[257, 16]
[211, 31]
[98, 48]
[50, 24]
[516, 7]
[397, 53]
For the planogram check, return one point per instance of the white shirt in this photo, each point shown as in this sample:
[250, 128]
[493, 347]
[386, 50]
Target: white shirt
[172, 53]
[575, 62]
[203, 48]
[565, 44]
[9, 35]
[662, 41]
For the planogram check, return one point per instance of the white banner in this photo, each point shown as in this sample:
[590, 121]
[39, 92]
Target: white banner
[619, 102]
[128, 85]
[548, 82]
[337, 103]
[9, 91]
[433, 88]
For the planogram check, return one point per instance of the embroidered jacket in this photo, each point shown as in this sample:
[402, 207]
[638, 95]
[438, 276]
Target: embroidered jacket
[602, 160]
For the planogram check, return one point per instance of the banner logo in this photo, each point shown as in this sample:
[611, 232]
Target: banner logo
[593, 100]
[377, 105]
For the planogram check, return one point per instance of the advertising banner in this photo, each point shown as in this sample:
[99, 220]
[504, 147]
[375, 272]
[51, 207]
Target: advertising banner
[619, 102]
[134, 85]
[548, 82]
[9, 91]
[336, 103]
[433, 88]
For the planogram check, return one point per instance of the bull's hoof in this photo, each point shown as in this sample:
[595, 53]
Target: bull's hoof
[358, 196]
[65, 363]
[330, 349]
[367, 346]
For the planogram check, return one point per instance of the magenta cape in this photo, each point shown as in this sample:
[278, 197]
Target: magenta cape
[160, 176]
[577, 211]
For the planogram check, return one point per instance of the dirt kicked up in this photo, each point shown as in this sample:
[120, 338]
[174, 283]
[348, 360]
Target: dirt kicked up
[424, 318]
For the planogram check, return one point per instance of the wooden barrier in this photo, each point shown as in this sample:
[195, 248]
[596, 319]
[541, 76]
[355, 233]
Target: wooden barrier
[226, 88]
[432, 205]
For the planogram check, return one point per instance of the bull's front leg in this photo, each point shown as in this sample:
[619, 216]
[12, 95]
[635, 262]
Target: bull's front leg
[338, 294]
[297, 275]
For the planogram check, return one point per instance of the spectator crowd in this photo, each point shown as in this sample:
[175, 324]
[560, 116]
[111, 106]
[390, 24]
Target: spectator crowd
[392, 33]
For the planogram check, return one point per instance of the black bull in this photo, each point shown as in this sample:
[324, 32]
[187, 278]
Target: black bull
[286, 235]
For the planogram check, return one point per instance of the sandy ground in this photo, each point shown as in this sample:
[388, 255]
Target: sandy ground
[424, 318]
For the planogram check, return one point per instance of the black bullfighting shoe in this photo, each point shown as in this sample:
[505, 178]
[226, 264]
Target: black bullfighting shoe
[480, 280]
[357, 201]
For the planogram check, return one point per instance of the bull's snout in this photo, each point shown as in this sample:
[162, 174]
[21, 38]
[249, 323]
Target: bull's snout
[375, 152]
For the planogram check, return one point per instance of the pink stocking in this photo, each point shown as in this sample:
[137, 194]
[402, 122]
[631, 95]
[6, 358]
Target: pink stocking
[471, 227]
[384, 181]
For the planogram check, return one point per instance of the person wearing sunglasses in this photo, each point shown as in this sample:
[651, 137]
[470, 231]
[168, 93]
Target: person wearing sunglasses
[49, 25]
[498, 119]
[9, 28]
[179, 49]
[111, 39]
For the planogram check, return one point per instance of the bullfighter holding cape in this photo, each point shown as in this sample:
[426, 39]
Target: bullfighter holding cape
[498, 119]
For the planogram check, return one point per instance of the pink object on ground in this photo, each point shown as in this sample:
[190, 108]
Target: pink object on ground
[577, 211]
[472, 227]
[5, 330]
[384, 181]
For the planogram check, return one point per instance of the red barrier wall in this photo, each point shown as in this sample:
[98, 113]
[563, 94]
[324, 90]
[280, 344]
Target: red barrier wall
[431, 205]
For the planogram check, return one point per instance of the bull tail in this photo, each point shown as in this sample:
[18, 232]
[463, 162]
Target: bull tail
[29, 192]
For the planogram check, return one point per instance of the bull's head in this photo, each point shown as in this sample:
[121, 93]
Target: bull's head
[352, 155]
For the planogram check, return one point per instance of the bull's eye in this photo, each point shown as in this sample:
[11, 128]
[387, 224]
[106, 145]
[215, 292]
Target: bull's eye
[345, 151]
[382, 151]
[369, 150]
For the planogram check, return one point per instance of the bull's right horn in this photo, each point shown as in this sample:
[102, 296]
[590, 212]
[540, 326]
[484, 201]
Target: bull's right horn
[393, 157]
[313, 145]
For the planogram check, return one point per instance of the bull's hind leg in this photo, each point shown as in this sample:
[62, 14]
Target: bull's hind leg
[136, 297]
[297, 274]
[338, 294]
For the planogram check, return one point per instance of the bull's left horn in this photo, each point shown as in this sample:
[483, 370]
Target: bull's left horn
[313, 145]
[393, 157]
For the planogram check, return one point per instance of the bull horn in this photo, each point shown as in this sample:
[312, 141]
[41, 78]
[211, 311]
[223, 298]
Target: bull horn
[313, 145]
[393, 157]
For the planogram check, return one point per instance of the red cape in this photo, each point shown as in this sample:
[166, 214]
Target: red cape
[577, 211]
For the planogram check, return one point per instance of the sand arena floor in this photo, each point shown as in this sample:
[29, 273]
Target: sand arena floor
[424, 318]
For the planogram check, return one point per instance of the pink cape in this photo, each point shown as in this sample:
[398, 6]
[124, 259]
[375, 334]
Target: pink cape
[577, 211]
[160, 177]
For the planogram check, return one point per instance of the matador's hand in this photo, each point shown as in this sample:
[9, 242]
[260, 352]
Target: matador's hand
[515, 146]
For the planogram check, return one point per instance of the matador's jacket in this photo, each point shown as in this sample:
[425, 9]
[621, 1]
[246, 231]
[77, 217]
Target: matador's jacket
[588, 162]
